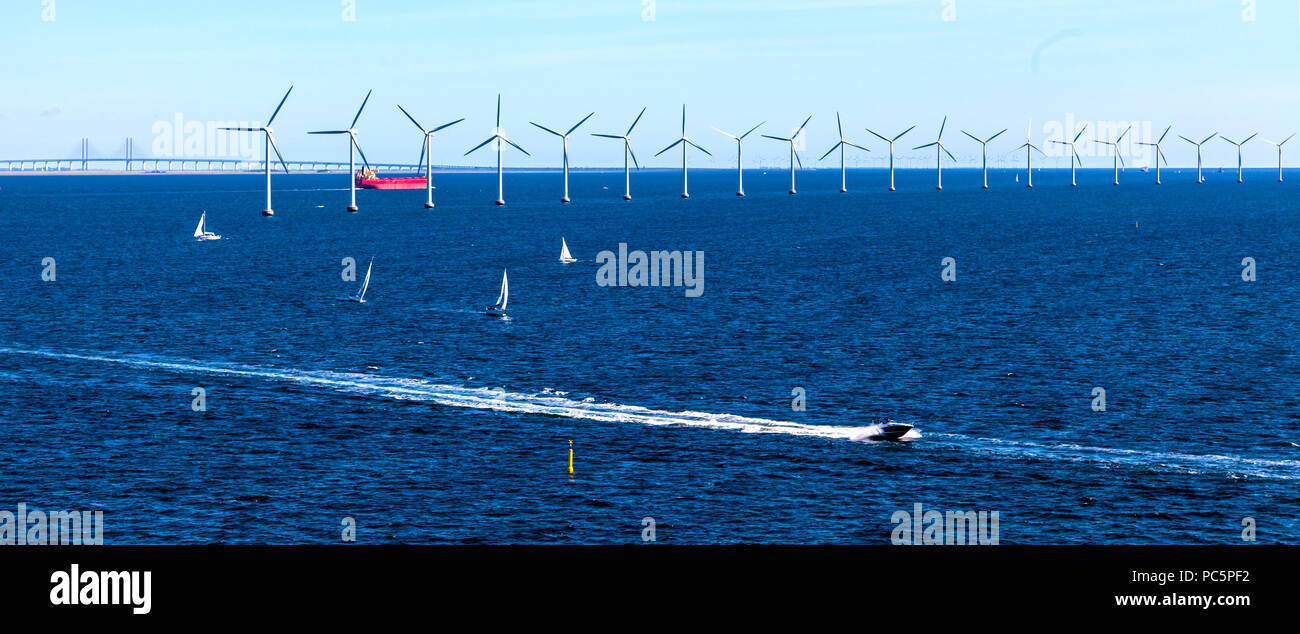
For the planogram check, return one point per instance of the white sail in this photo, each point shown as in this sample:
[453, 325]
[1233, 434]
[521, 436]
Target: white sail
[198, 231]
[361, 295]
[504, 297]
[564, 251]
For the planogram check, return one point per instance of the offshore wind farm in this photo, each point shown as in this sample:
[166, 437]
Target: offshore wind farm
[1088, 329]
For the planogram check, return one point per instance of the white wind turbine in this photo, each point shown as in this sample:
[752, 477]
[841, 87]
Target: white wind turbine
[794, 156]
[939, 151]
[1118, 160]
[1243, 142]
[684, 142]
[1279, 154]
[627, 151]
[499, 136]
[1160, 155]
[840, 146]
[267, 146]
[1074, 152]
[891, 152]
[984, 149]
[352, 145]
[426, 153]
[565, 139]
[740, 168]
[1029, 148]
[1199, 178]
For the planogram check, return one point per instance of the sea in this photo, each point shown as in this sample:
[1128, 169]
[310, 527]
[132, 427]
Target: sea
[1094, 364]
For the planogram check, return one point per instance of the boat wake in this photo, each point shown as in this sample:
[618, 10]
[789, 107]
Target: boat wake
[413, 389]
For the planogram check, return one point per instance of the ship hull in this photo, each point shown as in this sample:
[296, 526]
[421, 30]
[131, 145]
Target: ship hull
[416, 182]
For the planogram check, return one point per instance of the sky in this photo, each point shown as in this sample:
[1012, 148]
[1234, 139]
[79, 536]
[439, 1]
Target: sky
[131, 68]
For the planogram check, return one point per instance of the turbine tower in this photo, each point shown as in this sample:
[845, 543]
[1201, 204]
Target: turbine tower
[684, 142]
[1160, 155]
[740, 168]
[891, 152]
[939, 151]
[1029, 148]
[794, 156]
[840, 146]
[1243, 142]
[352, 145]
[268, 143]
[1199, 179]
[565, 139]
[627, 151]
[500, 137]
[984, 151]
[426, 154]
[1279, 154]
[1074, 152]
[1118, 160]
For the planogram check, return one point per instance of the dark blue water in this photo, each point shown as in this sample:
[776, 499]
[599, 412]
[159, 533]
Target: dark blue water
[319, 409]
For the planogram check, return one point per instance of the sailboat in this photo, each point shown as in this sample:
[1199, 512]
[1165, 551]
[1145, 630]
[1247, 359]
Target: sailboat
[360, 297]
[201, 232]
[499, 309]
[565, 257]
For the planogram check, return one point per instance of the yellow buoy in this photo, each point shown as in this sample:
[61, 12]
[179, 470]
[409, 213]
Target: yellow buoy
[570, 456]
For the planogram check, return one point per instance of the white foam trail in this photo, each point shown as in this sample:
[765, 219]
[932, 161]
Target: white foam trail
[481, 398]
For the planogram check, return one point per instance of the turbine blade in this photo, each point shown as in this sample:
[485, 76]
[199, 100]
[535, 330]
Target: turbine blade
[725, 133]
[547, 129]
[675, 144]
[271, 138]
[359, 151]
[801, 127]
[575, 126]
[1187, 139]
[856, 146]
[638, 120]
[683, 121]
[628, 145]
[277, 108]
[839, 125]
[515, 145]
[423, 147]
[447, 125]
[775, 138]
[922, 147]
[878, 136]
[1122, 134]
[904, 132]
[942, 126]
[408, 116]
[1081, 131]
[607, 136]
[243, 129]
[995, 136]
[1227, 139]
[945, 151]
[329, 132]
[972, 136]
[828, 152]
[1212, 135]
[490, 139]
[1286, 139]
[498, 111]
[752, 129]
[1162, 136]
[1160, 153]
[1247, 140]
[797, 159]
[363, 107]
[699, 148]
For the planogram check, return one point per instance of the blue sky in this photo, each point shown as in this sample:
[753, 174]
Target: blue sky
[108, 70]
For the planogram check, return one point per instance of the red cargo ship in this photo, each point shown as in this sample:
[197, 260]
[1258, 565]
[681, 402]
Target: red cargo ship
[369, 179]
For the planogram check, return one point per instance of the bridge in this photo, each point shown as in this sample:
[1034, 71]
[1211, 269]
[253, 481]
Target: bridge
[128, 162]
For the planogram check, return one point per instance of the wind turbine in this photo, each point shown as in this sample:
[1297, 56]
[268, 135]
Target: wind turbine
[1243, 142]
[1160, 155]
[840, 146]
[891, 152]
[627, 151]
[1279, 154]
[939, 151]
[499, 136]
[740, 168]
[684, 142]
[1074, 152]
[1029, 148]
[267, 145]
[984, 150]
[1199, 178]
[794, 156]
[1118, 160]
[426, 154]
[565, 139]
[352, 144]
